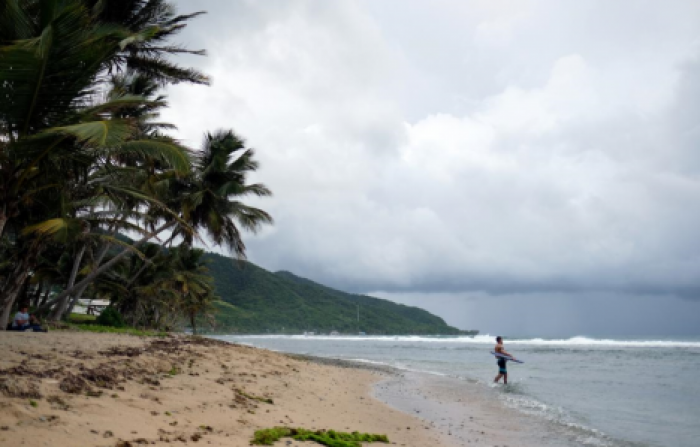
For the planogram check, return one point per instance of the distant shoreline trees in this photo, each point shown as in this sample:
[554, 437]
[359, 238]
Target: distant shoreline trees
[83, 159]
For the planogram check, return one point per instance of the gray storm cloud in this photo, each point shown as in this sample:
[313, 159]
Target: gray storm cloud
[456, 146]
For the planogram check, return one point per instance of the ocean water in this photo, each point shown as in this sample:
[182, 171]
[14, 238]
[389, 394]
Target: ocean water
[616, 392]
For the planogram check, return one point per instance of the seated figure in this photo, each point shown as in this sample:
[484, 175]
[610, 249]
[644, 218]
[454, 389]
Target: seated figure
[24, 321]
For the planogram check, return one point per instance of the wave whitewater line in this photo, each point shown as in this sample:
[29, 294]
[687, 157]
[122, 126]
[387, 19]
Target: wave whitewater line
[489, 339]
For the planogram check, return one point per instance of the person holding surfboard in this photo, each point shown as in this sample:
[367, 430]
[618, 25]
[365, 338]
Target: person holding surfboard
[502, 371]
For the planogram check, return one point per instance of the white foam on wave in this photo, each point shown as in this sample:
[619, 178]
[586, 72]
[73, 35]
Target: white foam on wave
[399, 366]
[369, 362]
[489, 339]
[584, 435]
[585, 341]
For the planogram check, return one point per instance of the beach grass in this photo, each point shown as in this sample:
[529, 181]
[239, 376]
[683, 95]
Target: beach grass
[81, 318]
[87, 323]
[115, 330]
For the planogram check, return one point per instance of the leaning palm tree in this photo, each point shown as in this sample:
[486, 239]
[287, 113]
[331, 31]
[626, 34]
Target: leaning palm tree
[98, 195]
[54, 58]
[205, 202]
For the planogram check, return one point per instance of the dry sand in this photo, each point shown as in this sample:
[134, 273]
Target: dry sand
[64, 389]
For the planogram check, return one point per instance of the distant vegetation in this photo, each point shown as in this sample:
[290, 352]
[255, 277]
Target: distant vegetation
[257, 301]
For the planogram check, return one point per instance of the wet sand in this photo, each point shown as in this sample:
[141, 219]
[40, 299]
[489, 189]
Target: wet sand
[466, 413]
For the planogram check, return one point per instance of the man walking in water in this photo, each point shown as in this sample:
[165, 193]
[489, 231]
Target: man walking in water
[502, 371]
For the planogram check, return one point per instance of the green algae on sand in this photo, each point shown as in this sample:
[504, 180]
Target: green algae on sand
[330, 438]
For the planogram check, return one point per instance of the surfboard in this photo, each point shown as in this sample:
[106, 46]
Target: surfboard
[506, 357]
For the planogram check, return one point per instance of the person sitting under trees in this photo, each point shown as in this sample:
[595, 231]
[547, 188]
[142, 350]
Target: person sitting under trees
[23, 321]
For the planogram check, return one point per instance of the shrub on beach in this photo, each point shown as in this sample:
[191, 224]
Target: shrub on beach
[110, 317]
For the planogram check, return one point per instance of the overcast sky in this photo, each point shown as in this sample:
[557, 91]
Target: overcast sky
[521, 167]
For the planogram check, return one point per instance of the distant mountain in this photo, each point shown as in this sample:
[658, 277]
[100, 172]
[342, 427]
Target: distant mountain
[258, 301]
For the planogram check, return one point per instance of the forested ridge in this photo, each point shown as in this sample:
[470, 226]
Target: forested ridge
[254, 300]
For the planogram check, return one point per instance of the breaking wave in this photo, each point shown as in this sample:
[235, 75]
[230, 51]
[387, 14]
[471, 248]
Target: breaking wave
[488, 339]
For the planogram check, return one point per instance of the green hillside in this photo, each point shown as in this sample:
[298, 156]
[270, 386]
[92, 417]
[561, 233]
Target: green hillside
[258, 301]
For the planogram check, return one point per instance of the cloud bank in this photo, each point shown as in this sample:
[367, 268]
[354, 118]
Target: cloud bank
[453, 147]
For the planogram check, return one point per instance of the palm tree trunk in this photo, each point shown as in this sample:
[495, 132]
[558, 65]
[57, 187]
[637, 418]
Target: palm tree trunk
[101, 254]
[45, 298]
[8, 210]
[5, 212]
[75, 300]
[23, 294]
[10, 294]
[60, 307]
[37, 294]
[193, 323]
[142, 269]
[79, 294]
[136, 276]
[14, 284]
[107, 265]
[3, 219]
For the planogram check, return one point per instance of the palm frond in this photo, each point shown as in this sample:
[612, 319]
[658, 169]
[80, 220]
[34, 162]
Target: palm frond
[60, 229]
[102, 133]
[167, 151]
[163, 71]
[120, 103]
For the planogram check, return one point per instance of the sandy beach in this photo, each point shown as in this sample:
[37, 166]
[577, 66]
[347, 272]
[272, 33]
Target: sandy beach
[66, 389]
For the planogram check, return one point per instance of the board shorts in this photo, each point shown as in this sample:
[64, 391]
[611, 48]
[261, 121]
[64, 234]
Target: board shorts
[502, 366]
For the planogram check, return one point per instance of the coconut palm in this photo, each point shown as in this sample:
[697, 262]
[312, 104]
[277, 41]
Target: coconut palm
[137, 286]
[54, 55]
[193, 283]
[160, 291]
[98, 195]
[207, 201]
[211, 198]
[77, 165]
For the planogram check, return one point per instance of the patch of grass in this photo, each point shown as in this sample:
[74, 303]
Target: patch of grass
[81, 318]
[330, 438]
[174, 371]
[33, 403]
[116, 330]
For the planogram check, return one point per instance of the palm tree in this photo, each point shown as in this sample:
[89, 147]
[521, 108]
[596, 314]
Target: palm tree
[158, 292]
[195, 286]
[207, 201]
[137, 287]
[77, 166]
[210, 198]
[54, 55]
[94, 197]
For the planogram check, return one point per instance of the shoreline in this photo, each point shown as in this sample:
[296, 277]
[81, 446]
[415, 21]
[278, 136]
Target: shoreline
[66, 388]
[459, 411]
